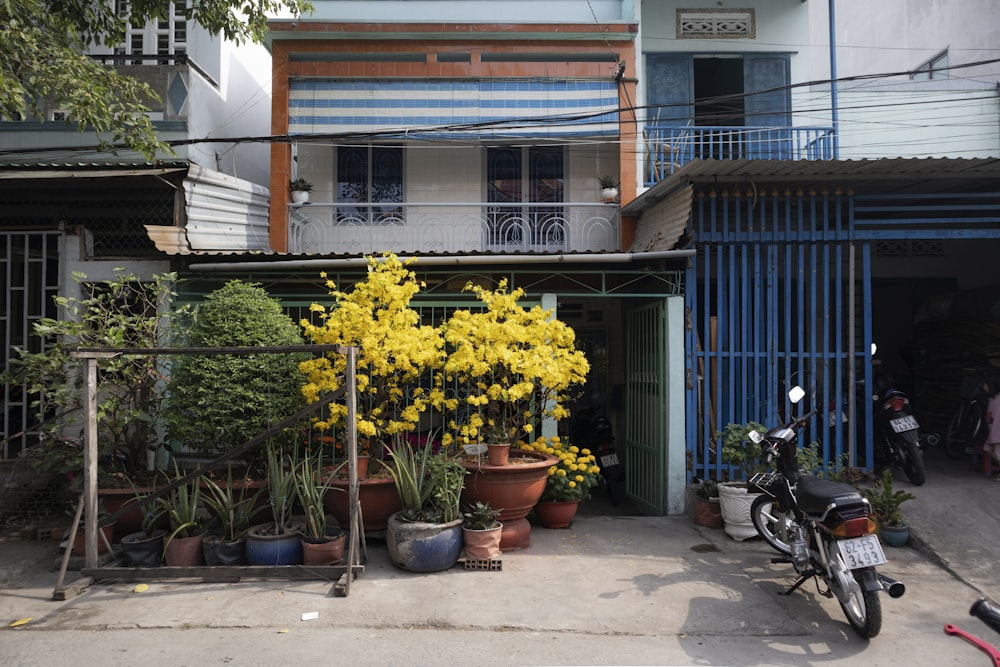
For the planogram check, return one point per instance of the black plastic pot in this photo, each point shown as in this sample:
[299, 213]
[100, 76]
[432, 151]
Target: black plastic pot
[218, 552]
[142, 550]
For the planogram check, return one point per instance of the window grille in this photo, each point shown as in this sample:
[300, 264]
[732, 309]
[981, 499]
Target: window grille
[716, 24]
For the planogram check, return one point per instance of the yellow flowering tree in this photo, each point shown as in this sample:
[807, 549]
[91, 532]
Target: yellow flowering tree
[396, 350]
[573, 476]
[511, 366]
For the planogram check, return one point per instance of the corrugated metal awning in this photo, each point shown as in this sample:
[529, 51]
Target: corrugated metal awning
[663, 224]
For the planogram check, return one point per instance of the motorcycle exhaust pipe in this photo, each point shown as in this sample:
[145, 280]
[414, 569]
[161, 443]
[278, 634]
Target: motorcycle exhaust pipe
[891, 586]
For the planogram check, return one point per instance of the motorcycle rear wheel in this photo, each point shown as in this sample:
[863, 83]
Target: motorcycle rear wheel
[776, 526]
[964, 429]
[862, 608]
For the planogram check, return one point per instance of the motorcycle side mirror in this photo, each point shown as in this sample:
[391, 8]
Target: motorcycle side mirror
[796, 393]
[874, 349]
[755, 437]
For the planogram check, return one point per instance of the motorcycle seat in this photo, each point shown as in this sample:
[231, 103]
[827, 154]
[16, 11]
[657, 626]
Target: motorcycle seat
[815, 494]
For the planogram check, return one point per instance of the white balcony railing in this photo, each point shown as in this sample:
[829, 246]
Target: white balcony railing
[452, 228]
[668, 148]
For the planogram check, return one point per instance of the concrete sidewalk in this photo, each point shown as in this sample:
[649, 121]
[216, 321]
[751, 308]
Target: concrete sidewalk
[604, 575]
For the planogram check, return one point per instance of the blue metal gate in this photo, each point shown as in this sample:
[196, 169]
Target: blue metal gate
[775, 299]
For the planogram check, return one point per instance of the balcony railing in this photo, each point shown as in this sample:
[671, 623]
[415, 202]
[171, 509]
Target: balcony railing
[452, 228]
[668, 148]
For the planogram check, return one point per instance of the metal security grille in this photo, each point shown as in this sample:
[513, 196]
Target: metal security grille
[645, 419]
[775, 280]
[29, 269]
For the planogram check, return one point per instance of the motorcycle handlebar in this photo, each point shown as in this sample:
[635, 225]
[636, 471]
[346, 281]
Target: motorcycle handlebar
[987, 612]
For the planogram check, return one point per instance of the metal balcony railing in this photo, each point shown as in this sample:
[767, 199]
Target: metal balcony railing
[668, 148]
[452, 227]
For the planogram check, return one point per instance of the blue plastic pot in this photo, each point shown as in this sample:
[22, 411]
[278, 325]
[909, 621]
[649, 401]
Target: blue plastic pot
[423, 547]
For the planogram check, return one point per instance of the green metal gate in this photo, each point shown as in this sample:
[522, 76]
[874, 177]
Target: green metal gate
[645, 418]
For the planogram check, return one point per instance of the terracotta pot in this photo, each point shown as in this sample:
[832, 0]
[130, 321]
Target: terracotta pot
[363, 462]
[184, 551]
[378, 497]
[514, 487]
[553, 514]
[80, 541]
[482, 544]
[497, 455]
[326, 551]
[114, 499]
[707, 512]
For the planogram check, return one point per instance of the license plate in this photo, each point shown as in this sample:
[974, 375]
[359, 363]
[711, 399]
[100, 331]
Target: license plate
[901, 424]
[609, 460]
[862, 552]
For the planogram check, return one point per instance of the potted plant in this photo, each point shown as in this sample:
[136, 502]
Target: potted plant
[322, 544]
[233, 509]
[277, 542]
[426, 535]
[747, 457]
[300, 189]
[886, 503]
[144, 547]
[609, 188]
[396, 351]
[182, 508]
[216, 403]
[569, 481]
[481, 528]
[707, 511]
[122, 311]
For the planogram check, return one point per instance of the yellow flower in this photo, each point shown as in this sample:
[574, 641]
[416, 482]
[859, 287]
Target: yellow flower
[572, 485]
[579, 478]
[585, 452]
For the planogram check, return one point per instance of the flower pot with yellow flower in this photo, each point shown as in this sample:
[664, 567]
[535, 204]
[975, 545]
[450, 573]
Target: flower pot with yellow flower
[569, 482]
[396, 351]
[512, 368]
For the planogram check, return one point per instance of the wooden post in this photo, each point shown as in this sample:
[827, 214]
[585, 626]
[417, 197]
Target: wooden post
[90, 463]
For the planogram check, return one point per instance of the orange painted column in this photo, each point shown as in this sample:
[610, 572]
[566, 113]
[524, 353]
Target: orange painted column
[281, 152]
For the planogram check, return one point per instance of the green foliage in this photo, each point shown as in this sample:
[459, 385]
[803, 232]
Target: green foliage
[310, 489]
[43, 47]
[233, 508]
[182, 507]
[281, 489]
[480, 516]
[429, 485]
[607, 182]
[886, 501]
[739, 451]
[300, 185]
[812, 462]
[217, 402]
[708, 489]
[116, 313]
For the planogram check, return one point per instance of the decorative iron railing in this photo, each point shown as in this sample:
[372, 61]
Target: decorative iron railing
[668, 148]
[452, 227]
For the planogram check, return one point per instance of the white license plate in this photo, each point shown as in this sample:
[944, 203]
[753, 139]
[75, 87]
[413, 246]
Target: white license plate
[609, 460]
[862, 552]
[901, 424]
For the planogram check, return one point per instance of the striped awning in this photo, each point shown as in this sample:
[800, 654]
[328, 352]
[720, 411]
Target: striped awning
[454, 109]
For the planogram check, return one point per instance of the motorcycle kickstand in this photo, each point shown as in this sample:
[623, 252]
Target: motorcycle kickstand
[806, 576]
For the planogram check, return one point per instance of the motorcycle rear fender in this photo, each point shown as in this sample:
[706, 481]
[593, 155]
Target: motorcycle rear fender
[869, 580]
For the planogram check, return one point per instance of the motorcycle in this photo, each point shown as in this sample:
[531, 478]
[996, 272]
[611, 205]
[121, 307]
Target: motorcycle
[898, 442]
[826, 530]
[591, 429]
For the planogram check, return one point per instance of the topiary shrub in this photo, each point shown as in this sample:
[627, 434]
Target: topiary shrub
[217, 402]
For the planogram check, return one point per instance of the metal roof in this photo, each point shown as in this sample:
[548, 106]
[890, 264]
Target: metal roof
[879, 176]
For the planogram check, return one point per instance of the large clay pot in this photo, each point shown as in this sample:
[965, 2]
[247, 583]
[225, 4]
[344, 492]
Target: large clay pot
[184, 551]
[707, 512]
[142, 550]
[115, 499]
[377, 496]
[326, 551]
[418, 546]
[556, 514]
[514, 487]
[264, 547]
[735, 503]
[80, 541]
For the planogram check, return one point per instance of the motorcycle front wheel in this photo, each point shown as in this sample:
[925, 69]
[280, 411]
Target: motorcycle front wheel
[776, 526]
